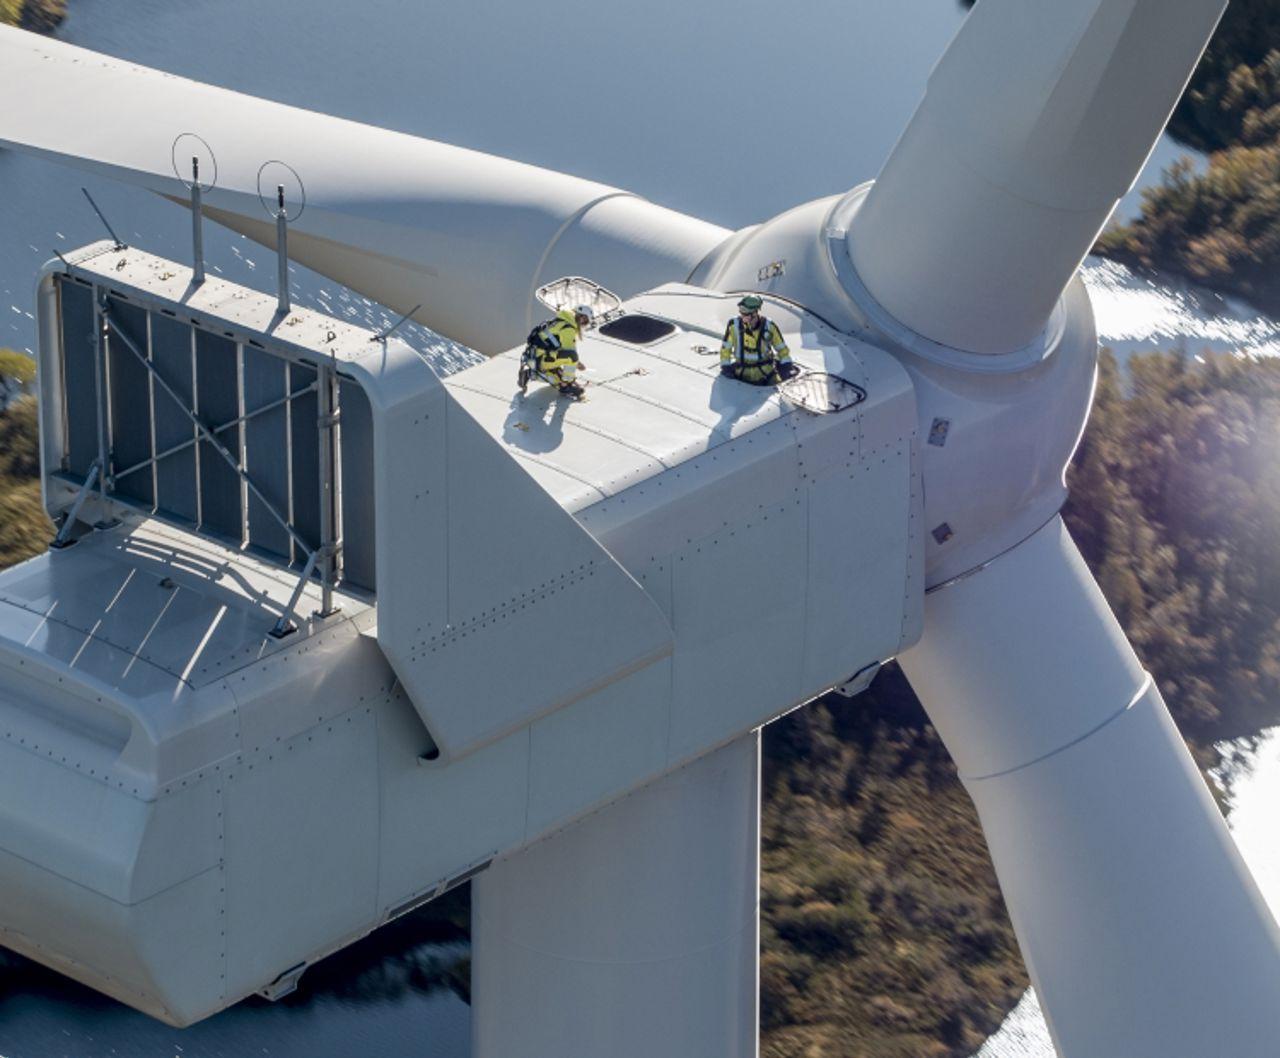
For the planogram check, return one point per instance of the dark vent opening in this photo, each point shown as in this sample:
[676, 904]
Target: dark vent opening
[638, 330]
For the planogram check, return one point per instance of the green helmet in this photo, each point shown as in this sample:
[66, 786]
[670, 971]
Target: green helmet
[752, 303]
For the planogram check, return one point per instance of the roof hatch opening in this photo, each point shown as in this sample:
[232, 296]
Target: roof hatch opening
[637, 329]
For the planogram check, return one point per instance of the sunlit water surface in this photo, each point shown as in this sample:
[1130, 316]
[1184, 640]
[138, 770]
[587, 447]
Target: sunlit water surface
[647, 108]
[1138, 313]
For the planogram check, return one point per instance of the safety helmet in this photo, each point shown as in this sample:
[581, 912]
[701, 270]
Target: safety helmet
[585, 311]
[751, 303]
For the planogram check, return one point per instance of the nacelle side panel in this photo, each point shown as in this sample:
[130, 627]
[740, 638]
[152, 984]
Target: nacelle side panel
[494, 605]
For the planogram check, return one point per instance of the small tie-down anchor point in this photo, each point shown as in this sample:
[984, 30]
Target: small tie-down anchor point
[285, 984]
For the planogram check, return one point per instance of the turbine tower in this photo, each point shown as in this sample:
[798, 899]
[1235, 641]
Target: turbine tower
[575, 724]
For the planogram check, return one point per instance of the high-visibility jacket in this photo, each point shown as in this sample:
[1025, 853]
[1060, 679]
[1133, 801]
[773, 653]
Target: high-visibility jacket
[557, 347]
[754, 352]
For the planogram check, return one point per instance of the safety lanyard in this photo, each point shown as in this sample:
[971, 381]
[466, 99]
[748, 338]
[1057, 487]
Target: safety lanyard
[762, 341]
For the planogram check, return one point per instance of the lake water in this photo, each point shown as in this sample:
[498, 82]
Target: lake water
[637, 96]
[640, 98]
[644, 103]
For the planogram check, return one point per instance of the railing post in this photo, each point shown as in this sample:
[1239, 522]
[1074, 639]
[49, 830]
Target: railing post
[327, 422]
[101, 398]
[197, 224]
[282, 253]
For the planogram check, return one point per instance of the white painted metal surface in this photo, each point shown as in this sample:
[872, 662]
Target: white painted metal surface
[494, 606]
[741, 556]
[150, 735]
[726, 519]
[401, 219]
[996, 431]
[1142, 929]
[1035, 123]
[633, 933]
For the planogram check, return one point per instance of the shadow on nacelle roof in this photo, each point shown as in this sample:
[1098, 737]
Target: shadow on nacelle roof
[650, 405]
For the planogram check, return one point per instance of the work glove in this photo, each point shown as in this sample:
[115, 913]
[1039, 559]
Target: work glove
[726, 370]
[788, 370]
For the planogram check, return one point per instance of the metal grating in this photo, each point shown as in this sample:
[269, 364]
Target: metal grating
[218, 436]
[173, 353]
[79, 344]
[822, 394]
[358, 551]
[266, 444]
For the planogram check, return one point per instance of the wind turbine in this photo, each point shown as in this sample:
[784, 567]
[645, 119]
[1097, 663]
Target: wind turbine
[603, 782]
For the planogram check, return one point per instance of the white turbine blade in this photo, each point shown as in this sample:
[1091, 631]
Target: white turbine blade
[401, 219]
[1142, 929]
[1035, 123]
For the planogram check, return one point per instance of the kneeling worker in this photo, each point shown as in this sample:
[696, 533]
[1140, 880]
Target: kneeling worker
[555, 348]
[753, 350]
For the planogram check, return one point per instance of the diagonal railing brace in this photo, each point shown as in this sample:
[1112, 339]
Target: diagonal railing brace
[183, 445]
[63, 539]
[207, 435]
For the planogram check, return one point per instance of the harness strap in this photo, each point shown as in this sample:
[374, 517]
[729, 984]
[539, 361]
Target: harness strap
[764, 340]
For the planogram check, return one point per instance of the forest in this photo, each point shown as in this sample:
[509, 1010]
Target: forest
[883, 930]
[42, 16]
[1216, 221]
[884, 934]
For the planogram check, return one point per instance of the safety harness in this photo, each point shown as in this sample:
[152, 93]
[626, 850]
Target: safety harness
[542, 341]
[765, 340]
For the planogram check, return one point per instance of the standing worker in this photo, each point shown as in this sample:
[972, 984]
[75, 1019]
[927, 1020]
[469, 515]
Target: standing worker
[753, 350]
[552, 351]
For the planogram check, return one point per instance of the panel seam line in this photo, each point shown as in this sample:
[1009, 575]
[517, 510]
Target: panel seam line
[1146, 685]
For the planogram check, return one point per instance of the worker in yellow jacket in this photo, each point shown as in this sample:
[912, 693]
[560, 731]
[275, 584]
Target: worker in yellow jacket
[753, 350]
[552, 350]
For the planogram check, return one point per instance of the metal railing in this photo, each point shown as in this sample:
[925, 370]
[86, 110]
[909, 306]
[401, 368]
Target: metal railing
[325, 553]
[117, 393]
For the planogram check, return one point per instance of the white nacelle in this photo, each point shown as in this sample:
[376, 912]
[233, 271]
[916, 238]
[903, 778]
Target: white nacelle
[997, 431]
[561, 603]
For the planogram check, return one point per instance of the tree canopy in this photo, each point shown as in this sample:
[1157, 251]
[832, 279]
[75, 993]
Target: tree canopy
[1221, 227]
[42, 16]
[883, 927]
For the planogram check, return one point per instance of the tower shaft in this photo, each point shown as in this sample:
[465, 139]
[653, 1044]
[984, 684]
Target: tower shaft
[635, 932]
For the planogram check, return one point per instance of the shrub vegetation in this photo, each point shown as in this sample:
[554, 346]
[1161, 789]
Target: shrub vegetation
[884, 932]
[1221, 227]
[24, 528]
[42, 16]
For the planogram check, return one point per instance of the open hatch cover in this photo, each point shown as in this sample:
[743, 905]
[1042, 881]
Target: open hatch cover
[572, 291]
[820, 393]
